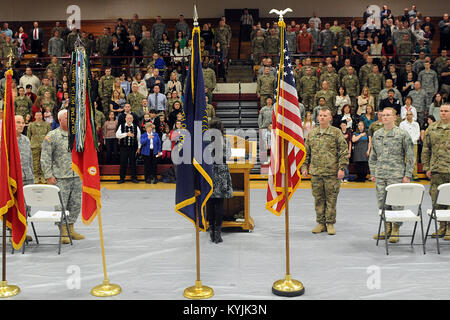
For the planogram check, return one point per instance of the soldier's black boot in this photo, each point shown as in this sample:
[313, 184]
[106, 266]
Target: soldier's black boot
[211, 231]
[218, 235]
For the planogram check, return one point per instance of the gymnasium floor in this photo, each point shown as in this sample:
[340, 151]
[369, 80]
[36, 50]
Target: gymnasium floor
[150, 252]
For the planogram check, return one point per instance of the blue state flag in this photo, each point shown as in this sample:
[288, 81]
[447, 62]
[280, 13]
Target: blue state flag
[194, 183]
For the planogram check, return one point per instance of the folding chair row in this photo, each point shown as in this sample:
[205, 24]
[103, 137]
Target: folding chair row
[411, 194]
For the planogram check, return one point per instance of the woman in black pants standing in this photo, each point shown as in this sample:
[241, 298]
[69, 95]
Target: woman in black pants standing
[221, 183]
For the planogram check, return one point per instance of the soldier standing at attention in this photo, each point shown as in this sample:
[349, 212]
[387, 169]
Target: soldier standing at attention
[265, 86]
[375, 82]
[329, 96]
[350, 82]
[307, 88]
[22, 104]
[391, 161]
[436, 159]
[102, 46]
[223, 35]
[326, 156]
[209, 77]
[265, 114]
[105, 89]
[56, 163]
[36, 132]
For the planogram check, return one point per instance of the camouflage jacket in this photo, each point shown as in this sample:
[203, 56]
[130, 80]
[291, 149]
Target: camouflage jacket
[392, 154]
[436, 149]
[326, 152]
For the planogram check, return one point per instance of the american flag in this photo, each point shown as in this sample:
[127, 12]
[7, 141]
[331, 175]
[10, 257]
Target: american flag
[286, 128]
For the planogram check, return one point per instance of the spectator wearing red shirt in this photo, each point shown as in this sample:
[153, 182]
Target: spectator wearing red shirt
[305, 41]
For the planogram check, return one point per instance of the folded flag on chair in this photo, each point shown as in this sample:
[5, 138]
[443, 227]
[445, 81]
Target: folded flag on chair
[12, 201]
[82, 135]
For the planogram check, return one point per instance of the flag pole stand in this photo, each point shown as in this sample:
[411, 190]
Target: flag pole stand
[105, 289]
[6, 290]
[287, 287]
[198, 291]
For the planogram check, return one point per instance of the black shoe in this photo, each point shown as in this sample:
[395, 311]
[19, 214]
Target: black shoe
[148, 181]
[120, 181]
[217, 237]
[155, 181]
[135, 180]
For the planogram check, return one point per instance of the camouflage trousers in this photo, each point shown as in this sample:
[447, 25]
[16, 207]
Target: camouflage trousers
[380, 186]
[436, 180]
[38, 174]
[308, 101]
[71, 194]
[325, 190]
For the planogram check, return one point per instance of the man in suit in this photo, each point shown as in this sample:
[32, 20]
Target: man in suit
[116, 50]
[36, 37]
[135, 51]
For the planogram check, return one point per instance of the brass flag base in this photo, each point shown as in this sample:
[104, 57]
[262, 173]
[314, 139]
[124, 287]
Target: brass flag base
[288, 287]
[7, 290]
[198, 291]
[106, 289]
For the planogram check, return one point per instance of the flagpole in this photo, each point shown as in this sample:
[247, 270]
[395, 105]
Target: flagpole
[105, 289]
[198, 291]
[6, 290]
[286, 287]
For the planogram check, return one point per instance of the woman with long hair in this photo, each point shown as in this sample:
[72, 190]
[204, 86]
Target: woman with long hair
[364, 100]
[368, 117]
[436, 106]
[361, 152]
[222, 187]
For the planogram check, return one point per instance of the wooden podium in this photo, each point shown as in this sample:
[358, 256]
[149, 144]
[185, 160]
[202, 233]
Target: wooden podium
[240, 178]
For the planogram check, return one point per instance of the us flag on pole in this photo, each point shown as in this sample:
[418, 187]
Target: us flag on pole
[286, 128]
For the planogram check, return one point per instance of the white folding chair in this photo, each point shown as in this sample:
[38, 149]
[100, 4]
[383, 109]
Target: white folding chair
[40, 195]
[443, 199]
[402, 194]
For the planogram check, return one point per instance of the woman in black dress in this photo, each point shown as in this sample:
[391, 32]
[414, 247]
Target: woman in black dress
[360, 141]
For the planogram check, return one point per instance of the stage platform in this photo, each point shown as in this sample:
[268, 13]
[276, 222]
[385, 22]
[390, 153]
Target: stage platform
[150, 252]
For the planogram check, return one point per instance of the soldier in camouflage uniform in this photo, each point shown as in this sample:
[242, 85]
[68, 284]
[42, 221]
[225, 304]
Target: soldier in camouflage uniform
[429, 80]
[436, 160]
[440, 62]
[258, 47]
[223, 35]
[329, 96]
[327, 157]
[344, 70]
[391, 161]
[148, 46]
[22, 104]
[419, 101]
[272, 45]
[265, 114]
[102, 46]
[365, 70]
[404, 50]
[375, 125]
[307, 88]
[71, 38]
[36, 132]
[57, 69]
[56, 161]
[308, 64]
[327, 40]
[331, 77]
[265, 86]
[209, 78]
[158, 28]
[26, 158]
[8, 48]
[135, 98]
[350, 82]
[105, 89]
[375, 82]
[45, 86]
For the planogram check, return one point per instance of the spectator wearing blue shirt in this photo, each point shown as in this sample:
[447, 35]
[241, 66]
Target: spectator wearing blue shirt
[157, 100]
[151, 151]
